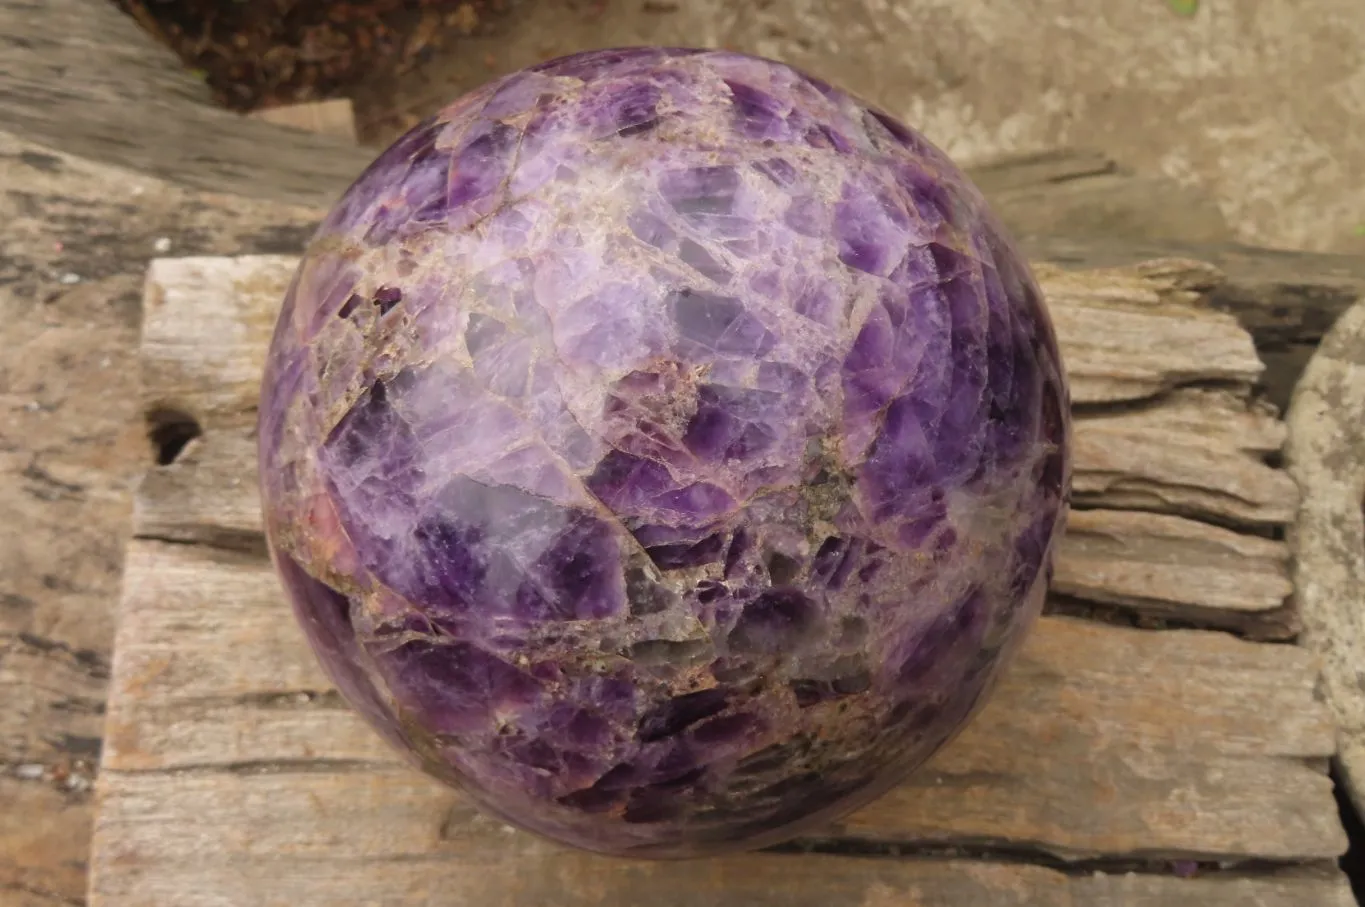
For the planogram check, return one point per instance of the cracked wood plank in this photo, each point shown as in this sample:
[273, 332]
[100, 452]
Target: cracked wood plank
[1133, 337]
[106, 155]
[1218, 755]
[1199, 453]
[80, 77]
[219, 709]
[1163, 566]
[1287, 300]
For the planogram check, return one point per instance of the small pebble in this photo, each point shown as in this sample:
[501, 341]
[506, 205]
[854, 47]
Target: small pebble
[70, 277]
[57, 247]
[162, 245]
[77, 783]
[29, 772]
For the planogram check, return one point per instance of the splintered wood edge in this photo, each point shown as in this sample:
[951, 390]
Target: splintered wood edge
[1130, 332]
[1216, 757]
[1326, 455]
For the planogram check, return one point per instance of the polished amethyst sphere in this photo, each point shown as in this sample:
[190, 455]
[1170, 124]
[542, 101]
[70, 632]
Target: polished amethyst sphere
[665, 448]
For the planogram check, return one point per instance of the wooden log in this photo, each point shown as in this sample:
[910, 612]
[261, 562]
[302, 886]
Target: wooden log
[1326, 455]
[81, 78]
[1280, 296]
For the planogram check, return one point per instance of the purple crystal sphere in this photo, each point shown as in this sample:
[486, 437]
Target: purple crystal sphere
[665, 448]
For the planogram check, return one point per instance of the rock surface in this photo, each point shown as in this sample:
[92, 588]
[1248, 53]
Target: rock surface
[665, 447]
[1257, 104]
[1326, 456]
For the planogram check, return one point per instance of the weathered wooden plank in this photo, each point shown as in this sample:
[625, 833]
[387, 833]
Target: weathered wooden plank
[219, 710]
[1132, 333]
[1281, 296]
[206, 327]
[1169, 567]
[580, 880]
[1136, 890]
[1199, 453]
[75, 239]
[1209, 756]
[1326, 455]
[176, 654]
[78, 76]
[1164, 566]
[1126, 334]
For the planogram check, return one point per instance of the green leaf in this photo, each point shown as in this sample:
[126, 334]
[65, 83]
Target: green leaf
[1183, 7]
[1359, 230]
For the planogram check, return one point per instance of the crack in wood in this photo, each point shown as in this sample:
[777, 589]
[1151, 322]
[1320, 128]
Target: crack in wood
[41, 893]
[284, 700]
[265, 767]
[95, 664]
[1016, 853]
[233, 541]
[49, 487]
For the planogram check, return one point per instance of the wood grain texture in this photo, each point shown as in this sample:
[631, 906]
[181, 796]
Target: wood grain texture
[218, 709]
[1196, 452]
[1127, 334]
[1217, 755]
[75, 239]
[1287, 300]
[1132, 336]
[1163, 566]
[81, 78]
[1326, 455]
[1133, 333]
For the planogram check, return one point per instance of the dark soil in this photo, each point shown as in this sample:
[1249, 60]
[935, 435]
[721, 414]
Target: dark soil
[264, 53]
